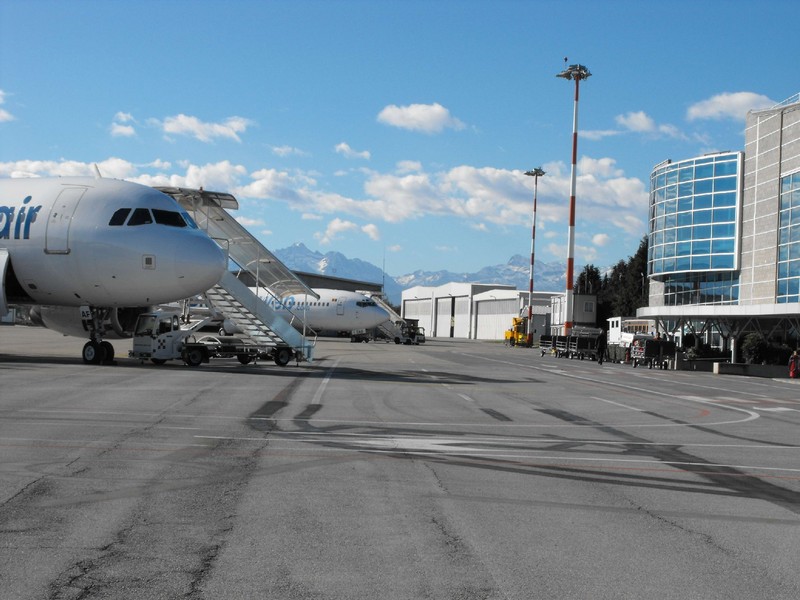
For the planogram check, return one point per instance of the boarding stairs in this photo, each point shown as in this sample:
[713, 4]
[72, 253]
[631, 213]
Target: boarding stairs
[253, 316]
[393, 328]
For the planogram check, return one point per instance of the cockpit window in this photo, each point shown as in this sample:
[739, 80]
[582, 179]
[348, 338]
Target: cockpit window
[169, 218]
[364, 303]
[140, 216]
[118, 218]
[189, 220]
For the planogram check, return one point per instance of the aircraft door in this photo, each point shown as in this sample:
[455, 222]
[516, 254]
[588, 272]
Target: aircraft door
[340, 308]
[60, 220]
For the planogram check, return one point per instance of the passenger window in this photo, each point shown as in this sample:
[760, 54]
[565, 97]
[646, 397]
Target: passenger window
[168, 217]
[118, 218]
[140, 216]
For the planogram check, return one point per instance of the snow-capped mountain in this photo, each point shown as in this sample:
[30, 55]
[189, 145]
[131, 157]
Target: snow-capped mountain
[547, 277]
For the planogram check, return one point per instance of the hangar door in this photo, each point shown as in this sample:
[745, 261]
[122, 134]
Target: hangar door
[452, 317]
[462, 316]
[445, 308]
[494, 317]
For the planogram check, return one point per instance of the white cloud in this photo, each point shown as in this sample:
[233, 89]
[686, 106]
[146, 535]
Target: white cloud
[408, 166]
[288, 151]
[372, 231]
[334, 230]
[636, 121]
[585, 254]
[205, 132]
[395, 248]
[123, 117]
[598, 134]
[118, 130]
[5, 116]
[427, 118]
[344, 149]
[604, 167]
[609, 204]
[641, 122]
[248, 222]
[728, 106]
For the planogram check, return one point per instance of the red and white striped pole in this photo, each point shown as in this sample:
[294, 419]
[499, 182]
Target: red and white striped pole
[535, 173]
[576, 72]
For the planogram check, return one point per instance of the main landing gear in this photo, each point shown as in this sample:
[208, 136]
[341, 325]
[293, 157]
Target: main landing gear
[97, 351]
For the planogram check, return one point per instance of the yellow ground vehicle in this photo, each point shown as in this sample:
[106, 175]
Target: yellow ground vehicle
[518, 334]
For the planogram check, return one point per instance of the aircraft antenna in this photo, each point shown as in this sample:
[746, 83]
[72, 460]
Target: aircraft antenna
[98, 174]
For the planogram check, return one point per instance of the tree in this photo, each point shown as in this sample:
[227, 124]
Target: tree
[620, 291]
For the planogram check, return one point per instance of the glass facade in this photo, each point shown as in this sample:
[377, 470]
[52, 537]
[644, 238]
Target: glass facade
[694, 214]
[701, 288]
[694, 228]
[789, 240]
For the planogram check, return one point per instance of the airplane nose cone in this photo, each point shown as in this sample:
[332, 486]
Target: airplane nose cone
[199, 264]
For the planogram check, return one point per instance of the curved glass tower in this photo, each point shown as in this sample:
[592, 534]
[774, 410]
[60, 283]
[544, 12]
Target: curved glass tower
[694, 228]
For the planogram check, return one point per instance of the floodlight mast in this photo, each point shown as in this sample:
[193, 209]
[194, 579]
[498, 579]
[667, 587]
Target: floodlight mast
[535, 173]
[576, 73]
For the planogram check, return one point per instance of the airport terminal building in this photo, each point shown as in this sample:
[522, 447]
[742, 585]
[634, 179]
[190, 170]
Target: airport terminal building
[724, 237]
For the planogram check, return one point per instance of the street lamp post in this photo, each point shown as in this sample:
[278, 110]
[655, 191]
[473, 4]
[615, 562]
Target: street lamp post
[535, 173]
[576, 73]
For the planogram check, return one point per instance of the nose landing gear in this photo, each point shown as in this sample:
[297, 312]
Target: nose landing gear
[96, 351]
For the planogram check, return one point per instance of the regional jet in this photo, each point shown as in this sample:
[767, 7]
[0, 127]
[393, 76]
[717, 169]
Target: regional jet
[88, 255]
[335, 311]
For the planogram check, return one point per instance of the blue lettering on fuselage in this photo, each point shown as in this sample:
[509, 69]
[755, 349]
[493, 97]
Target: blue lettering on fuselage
[22, 223]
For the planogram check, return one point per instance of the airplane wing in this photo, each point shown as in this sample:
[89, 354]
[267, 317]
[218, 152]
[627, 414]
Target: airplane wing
[263, 268]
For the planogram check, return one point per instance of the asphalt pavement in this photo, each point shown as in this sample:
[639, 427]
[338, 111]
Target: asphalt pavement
[456, 470]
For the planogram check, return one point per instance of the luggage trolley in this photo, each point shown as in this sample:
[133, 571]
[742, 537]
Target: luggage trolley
[546, 344]
[652, 352]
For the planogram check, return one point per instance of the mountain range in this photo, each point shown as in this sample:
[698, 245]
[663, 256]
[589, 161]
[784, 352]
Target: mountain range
[547, 277]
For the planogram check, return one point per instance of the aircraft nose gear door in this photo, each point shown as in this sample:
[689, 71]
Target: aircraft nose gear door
[60, 219]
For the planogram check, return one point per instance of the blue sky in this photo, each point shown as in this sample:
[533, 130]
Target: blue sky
[387, 130]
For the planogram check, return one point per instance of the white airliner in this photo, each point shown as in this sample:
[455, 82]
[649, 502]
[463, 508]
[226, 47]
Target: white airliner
[334, 311]
[90, 254]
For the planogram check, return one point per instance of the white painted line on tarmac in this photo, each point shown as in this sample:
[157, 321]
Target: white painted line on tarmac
[321, 390]
[618, 404]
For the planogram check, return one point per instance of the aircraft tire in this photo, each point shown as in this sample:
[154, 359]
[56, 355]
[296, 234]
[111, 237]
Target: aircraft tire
[108, 352]
[93, 353]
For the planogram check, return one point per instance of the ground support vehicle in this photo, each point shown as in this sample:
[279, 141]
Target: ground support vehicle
[561, 343]
[652, 352]
[546, 344]
[359, 335]
[410, 333]
[517, 335]
[159, 337]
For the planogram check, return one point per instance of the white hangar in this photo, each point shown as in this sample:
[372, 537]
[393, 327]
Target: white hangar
[474, 310]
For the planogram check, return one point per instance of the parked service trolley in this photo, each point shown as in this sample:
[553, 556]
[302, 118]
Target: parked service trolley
[583, 342]
[561, 344]
[546, 344]
[652, 352]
